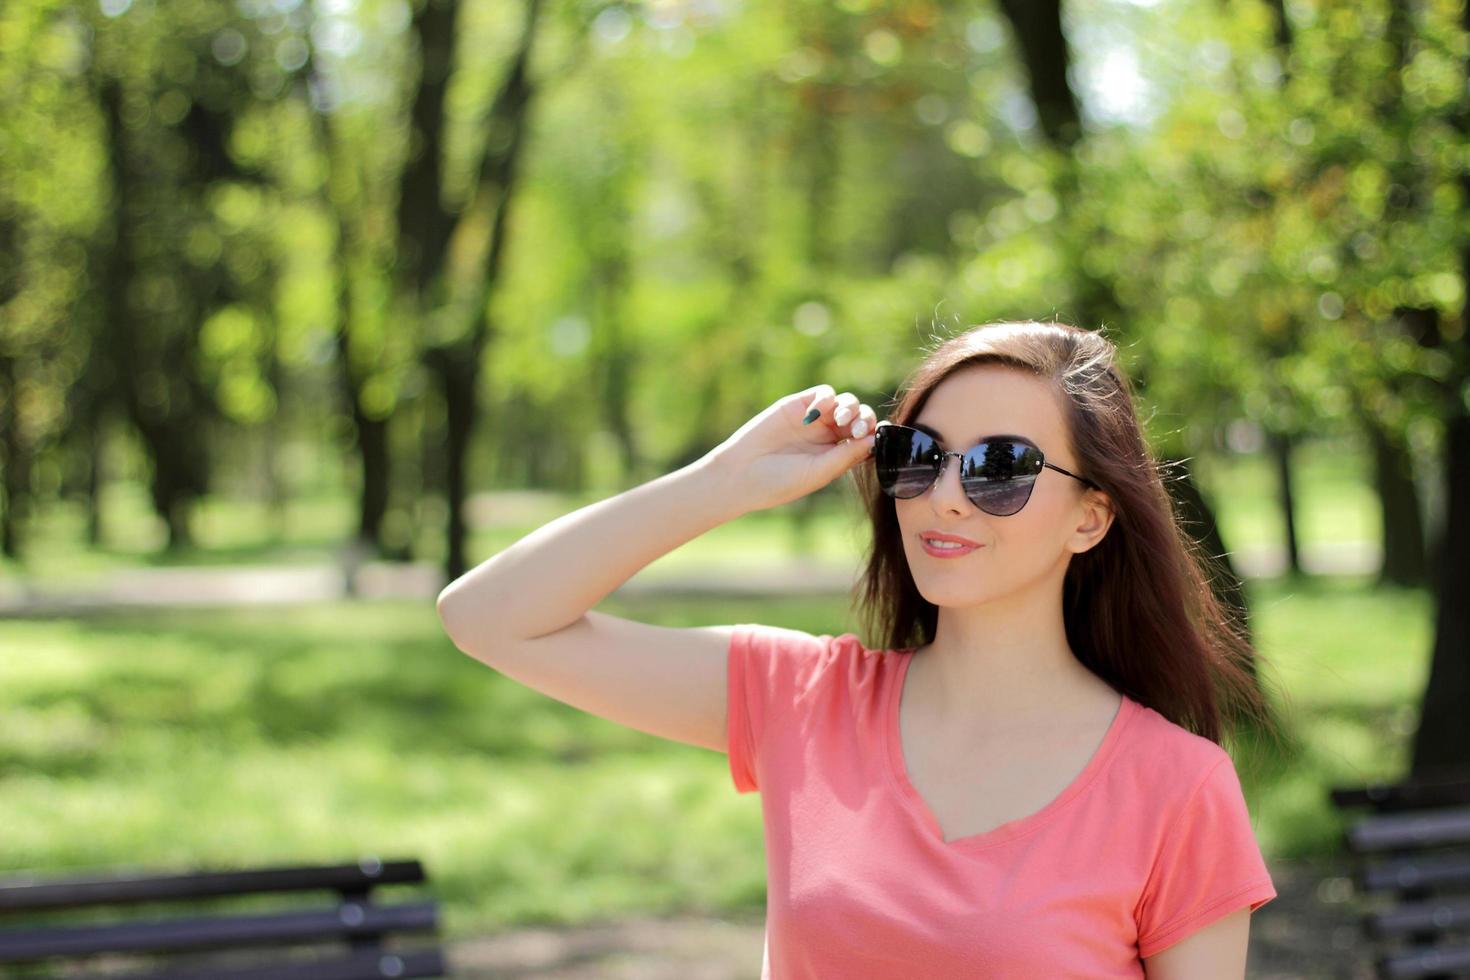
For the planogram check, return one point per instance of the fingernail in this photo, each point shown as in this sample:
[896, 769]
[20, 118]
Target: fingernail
[860, 428]
[811, 416]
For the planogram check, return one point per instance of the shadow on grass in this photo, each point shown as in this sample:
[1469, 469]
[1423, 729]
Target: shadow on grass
[379, 674]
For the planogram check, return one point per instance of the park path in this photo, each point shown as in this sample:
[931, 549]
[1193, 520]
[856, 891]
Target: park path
[231, 585]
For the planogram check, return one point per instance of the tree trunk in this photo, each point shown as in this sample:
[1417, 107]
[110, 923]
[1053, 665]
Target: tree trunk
[96, 436]
[1444, 725]
[16, 462]
[457, 364]
[458, 384]
[613, 354]
[170, 428]
[1403, 522]
[13, 464]
[1280, 444]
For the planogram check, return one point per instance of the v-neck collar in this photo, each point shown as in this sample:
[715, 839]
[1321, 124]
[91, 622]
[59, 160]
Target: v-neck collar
[1011, 829]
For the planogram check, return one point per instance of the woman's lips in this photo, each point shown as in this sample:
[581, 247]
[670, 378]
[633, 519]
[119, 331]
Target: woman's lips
[947, 552]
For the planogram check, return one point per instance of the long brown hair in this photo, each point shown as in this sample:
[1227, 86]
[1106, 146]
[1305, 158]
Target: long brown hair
[1139, 609]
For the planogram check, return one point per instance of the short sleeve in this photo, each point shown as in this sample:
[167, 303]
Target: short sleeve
[1208, 864]
[767, 668]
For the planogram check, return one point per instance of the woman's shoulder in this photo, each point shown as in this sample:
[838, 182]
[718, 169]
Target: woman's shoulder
[832, 659]
[1165, 753]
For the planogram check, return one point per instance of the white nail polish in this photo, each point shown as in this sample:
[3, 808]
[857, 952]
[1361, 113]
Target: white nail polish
[860, 429]
[841, 415]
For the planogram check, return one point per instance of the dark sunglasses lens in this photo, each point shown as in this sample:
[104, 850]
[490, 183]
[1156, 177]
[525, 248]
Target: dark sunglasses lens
[998, 476]
[903, 461]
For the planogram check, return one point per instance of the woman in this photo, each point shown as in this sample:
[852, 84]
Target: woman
[1024, 778]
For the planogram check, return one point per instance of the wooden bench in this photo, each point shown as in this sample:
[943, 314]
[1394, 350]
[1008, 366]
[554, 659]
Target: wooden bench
[351, 933]
[1413, 848]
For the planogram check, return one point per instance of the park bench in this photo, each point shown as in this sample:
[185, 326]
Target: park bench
[70, 923]
[1412, 848]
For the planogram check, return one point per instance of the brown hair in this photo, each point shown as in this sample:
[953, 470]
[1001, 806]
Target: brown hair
[1139, 609]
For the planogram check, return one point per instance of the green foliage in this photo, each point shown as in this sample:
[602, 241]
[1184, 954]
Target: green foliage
[741, 201]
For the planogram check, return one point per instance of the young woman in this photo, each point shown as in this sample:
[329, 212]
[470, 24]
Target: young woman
[1023, 777]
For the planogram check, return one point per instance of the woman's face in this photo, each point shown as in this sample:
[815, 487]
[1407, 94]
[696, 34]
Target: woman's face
[1060, 518]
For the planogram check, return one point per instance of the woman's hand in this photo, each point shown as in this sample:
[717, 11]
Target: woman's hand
[776, 457]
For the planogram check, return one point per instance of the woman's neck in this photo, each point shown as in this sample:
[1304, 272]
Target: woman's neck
[992, 668]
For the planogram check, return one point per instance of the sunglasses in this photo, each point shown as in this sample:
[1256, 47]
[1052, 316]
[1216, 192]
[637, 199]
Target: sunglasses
[997, 475]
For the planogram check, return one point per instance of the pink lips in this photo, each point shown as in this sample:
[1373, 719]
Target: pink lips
[926, 536]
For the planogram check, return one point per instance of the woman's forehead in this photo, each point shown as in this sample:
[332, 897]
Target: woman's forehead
[972, 405]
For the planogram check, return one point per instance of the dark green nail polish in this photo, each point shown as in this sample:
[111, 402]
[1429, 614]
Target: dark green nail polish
[811, 416]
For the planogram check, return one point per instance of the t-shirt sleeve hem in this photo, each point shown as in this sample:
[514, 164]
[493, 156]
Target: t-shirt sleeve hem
[737, 728]
[1255, 894]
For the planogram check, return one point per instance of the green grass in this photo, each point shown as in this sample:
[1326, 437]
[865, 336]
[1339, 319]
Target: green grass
[327, 732]
[323, 733]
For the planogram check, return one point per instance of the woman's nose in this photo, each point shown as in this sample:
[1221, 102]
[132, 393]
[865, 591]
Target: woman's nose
[947, 491]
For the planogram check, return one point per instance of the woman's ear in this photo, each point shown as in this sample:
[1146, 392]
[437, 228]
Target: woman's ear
[1097, 517]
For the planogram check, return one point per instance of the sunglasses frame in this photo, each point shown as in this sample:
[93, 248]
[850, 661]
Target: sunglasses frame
[945, 454]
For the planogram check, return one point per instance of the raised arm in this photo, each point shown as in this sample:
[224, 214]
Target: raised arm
[527, 611]
[552, 576]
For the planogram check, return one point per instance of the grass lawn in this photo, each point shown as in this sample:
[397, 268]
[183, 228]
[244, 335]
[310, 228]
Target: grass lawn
[326, 732]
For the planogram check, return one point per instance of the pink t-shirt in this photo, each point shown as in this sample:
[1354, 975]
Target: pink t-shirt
[1151, 842]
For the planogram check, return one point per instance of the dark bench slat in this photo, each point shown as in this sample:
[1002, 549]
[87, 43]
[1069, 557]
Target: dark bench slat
[1424, 963]
[350, 919]
[1430, 915]
[24, 893]
[1417, 871]
[1429, 815]
[1410, 830]
[1450, 789]
[364, 965]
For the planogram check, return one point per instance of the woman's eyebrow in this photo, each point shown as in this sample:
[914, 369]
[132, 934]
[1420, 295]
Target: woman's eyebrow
[931, 431]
